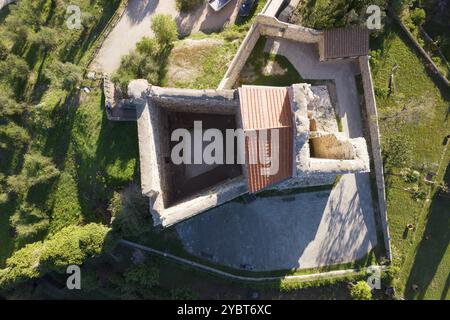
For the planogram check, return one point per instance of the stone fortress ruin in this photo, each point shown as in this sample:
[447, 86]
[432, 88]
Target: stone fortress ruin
[312, 150]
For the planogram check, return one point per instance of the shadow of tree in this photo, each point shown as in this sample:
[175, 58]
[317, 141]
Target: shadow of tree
[432, 249]
[113, 167]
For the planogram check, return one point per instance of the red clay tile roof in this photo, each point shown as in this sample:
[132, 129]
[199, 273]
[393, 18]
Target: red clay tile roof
[346, 42]
[267, 109]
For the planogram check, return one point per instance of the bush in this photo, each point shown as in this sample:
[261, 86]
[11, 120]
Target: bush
[412, 176]
[36, 169]
[187, 5]
[71, 245]
[64, 75]
[13, 69]
[138, 281]
[397, 151]
[4, 51]
[390, 276]
[165, 29]
[327, 14]
[361, 291]
[30, 224]
[129, 212]
[418, 16]
[46, 38]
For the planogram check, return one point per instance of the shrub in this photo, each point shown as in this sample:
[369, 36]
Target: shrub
[165, 29]
[63, 75]
[8, 105]
[4, 51]
[30, 223]
[144, 277]
[361, 291]
[412, 176]
[71, 245]
[46, 38]
[390, 276]
[15, 134]
[187, 5]
[326, 14]
[129, 212]
[418, 16]
[183, 294]
[397, 151]
[13, 69]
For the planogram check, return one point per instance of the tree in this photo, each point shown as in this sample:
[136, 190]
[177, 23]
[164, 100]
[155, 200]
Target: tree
[71, 245]
[361, 291]
[165, 29]
[64, 75]
[326, 14]
[4, 51]
[13, 69]
[46, 38]
[418, 16]
[8, 106]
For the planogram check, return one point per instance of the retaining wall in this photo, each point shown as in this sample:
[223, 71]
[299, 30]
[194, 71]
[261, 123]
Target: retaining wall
[372, 123]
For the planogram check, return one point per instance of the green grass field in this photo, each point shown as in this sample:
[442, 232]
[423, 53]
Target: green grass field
[94, 157]
[418, 110]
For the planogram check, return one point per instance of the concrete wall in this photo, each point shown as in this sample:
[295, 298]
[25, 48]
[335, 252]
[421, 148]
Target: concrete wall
[372, 123]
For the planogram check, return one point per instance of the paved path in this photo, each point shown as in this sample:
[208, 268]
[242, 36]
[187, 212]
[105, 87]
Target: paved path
[305, 277]
[305, 58]
[302, 231]
[135, 24]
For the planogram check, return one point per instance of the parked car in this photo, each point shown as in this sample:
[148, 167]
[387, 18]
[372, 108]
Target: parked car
[217, 5]
[246, 7]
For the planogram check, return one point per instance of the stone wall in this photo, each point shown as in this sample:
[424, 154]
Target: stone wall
[152, 104]
[267, 25]
[238, 62]
[372, 124]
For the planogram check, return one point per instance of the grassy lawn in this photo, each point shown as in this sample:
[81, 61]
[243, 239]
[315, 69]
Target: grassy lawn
[254, 71]
[417, 111]
[200, 61]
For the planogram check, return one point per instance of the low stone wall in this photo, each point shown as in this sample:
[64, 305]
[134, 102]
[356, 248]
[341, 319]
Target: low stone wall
[272, 27]
[269, 26]
[372, 123]
[238, 62]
